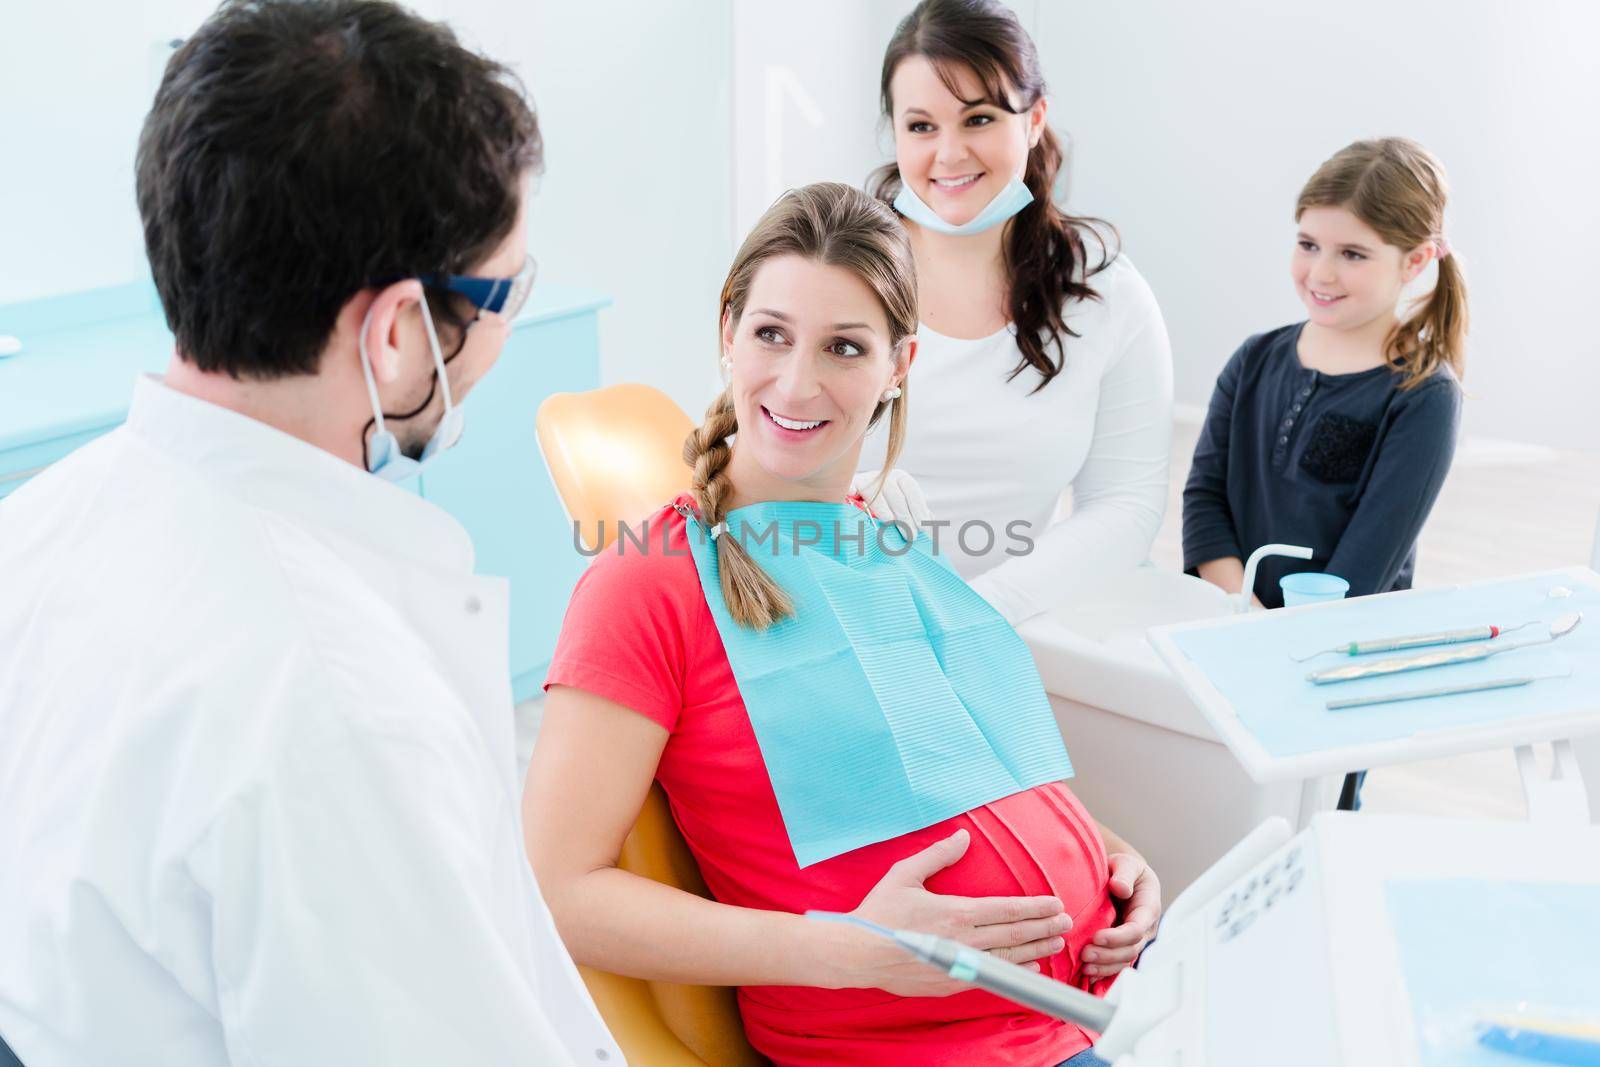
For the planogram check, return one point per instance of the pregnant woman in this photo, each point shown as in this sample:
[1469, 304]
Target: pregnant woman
[839, 722]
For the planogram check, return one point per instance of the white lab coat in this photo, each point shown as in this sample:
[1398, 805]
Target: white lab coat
[258, 800]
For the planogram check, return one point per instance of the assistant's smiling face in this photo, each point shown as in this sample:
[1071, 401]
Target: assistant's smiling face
[957, 150]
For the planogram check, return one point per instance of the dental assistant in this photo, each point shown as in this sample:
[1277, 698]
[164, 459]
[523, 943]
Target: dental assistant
[1045, 366]
[256, 753]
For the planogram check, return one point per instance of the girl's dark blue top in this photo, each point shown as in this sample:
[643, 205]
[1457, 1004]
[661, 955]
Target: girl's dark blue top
[1347, 464]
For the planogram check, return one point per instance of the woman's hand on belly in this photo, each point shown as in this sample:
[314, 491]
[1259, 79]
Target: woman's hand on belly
[1137, 893]
[1019, 929]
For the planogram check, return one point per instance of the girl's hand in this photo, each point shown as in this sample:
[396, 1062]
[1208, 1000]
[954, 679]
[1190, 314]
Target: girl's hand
[1135, 886]
[1019, 929]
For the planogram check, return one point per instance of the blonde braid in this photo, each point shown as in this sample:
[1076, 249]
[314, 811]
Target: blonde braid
[754, 600]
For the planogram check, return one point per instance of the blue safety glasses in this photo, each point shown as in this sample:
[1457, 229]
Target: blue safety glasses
[502, 296]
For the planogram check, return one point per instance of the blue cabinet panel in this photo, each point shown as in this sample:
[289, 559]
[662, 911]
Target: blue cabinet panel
[495, 482]
[80, 356]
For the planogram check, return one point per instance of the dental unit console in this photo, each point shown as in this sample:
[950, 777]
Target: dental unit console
[1362, 940]
[1349, 943]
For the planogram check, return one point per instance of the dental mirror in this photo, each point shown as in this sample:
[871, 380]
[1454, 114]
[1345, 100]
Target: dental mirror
[1565, 624]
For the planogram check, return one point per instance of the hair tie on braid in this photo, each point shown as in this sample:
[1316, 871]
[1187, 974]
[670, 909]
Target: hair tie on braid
[694, 513]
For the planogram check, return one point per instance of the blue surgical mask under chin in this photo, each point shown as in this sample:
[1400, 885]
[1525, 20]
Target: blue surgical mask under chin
[1010, 200]
[384, 457]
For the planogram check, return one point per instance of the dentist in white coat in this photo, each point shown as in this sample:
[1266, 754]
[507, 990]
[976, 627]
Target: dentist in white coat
[256, 767]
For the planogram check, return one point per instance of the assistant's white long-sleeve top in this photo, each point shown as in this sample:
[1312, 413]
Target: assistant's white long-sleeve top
[984, 449]
[258, 798]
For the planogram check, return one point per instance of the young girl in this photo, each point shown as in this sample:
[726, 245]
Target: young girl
[793, 708]
[1337, 432]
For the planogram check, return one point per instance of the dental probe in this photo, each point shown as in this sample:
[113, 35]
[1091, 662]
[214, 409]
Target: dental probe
[1442, 637]
[1018, 984]
[1562, 626]
[1441, 691]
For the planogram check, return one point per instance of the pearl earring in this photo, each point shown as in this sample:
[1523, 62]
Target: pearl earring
[891, 393]
[727, 368]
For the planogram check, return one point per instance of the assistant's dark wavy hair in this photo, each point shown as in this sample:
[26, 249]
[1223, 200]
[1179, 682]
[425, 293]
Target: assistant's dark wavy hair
[1046, 250]
[299, 151]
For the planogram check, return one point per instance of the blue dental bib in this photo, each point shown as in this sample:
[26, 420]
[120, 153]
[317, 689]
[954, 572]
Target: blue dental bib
[894, 698]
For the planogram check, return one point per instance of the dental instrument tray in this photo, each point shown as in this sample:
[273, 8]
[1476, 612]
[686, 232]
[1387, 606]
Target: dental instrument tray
[1241, 673]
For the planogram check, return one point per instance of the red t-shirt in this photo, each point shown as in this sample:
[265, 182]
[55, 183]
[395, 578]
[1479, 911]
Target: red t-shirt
[638, 632]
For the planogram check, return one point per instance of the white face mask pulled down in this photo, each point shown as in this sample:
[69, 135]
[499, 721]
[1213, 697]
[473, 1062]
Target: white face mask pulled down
[1006, 203]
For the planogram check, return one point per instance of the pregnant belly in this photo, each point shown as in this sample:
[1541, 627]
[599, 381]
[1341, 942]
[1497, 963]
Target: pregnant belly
[1040, 842]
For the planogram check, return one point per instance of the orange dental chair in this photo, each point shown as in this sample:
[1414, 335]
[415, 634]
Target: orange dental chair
[614, 455]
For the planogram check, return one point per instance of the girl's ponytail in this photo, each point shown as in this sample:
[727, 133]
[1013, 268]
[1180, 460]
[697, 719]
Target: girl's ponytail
[1435, 333]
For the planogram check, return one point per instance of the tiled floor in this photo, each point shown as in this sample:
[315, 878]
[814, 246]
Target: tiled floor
[1506, 509]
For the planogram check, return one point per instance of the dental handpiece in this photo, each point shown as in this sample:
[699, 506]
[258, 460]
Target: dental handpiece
[1008, 980]
[1018, 984]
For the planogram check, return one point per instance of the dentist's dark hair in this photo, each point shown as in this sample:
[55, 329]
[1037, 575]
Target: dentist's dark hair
[299, 151]
[839, 226]
[1046, 250]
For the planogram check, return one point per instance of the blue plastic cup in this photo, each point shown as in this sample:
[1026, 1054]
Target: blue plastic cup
[1311, 587]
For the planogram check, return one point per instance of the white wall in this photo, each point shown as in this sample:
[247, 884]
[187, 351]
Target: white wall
[633, 99]
[672, 124]
[1192, 126]
[1195, 125]
[806, 106]
[73, 92]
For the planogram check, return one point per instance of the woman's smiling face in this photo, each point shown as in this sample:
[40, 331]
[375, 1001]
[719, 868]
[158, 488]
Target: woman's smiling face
[957, 152]
[811, 358]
